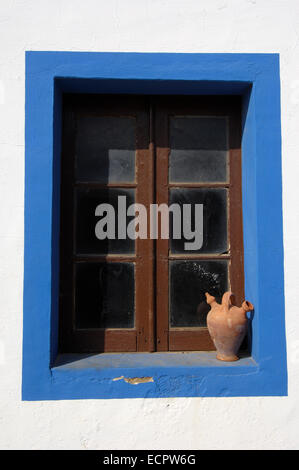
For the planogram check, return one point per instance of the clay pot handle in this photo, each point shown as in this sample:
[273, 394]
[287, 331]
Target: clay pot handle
[247, 306]
[226, 299]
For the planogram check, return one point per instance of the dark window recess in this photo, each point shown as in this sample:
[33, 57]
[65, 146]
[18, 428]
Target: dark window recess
[87, 199]
[214, 201]
[189, 280]
[147, 295]
[104, 295]
[198, 149]
[105, 149]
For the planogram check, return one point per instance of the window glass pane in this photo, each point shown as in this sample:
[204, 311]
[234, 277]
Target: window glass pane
[198, 149]
[105, 149]
[214, 226]
[189, 281]
[104, 295]
[87, 199]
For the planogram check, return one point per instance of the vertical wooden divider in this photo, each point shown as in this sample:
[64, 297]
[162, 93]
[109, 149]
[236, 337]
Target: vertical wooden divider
[145, 313]
[162, 155]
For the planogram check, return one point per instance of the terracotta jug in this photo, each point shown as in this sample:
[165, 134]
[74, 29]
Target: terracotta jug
[227, 325]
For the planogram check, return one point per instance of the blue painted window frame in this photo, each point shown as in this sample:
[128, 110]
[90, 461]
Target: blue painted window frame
[255, 77]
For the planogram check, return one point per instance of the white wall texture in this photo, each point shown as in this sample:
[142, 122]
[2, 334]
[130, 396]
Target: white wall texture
[141, 26]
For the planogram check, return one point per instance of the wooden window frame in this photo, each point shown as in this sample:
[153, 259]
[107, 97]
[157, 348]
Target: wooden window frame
[151, 331]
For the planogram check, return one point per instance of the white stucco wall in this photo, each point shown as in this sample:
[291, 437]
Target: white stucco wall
[141, 26]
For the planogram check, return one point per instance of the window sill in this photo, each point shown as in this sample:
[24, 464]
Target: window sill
[148, 375]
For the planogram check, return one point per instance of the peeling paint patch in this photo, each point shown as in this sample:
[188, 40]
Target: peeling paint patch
[134, 380]
[138, 380]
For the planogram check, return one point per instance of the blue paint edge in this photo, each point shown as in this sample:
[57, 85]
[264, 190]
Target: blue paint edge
[254, 76]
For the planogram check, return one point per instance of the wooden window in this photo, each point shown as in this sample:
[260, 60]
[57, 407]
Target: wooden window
[198, 160]
[147, 295]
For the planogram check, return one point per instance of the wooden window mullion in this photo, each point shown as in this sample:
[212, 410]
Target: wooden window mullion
[162, 245]
[144, 247]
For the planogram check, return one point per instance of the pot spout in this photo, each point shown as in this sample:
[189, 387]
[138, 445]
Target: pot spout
[210, 299]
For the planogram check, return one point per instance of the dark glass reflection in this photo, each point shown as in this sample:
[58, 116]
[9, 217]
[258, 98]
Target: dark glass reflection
[105, 149]
[104, 295]
[214, 218]
[87, 199]
[198, 149]
[189, 281]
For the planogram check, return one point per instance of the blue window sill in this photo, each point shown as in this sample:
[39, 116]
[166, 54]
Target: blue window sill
[150, 375]
[256, 78]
